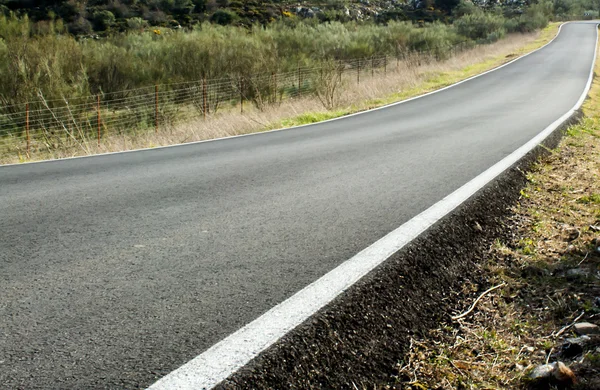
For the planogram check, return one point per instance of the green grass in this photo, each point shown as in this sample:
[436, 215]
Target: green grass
[311, 117]
[587, 199]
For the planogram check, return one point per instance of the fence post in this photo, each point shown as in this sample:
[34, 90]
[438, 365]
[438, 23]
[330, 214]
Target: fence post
[156, 108]
[274, 75]
[385, 64]
[241, 96]
[98, 117]
[299, 79]
[372, 66]
[204, 98]
[358, 72]
[27, 129]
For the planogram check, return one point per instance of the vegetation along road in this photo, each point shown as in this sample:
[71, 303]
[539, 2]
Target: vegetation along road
[117, 269]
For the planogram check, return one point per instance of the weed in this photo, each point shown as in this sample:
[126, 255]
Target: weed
[587, 199]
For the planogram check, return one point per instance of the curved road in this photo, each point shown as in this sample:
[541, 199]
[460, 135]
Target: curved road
[117, 269]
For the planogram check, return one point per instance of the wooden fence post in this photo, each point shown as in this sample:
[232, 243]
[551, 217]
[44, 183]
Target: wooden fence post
[27, 129]
[385, 64]
[372, 66]
[299, 79]
[156, 109]
[98, 117]
[274, 75]
[241, 96]
[204, 98]
[358, 72]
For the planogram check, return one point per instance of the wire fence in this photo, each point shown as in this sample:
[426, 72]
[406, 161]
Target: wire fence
[43, 124]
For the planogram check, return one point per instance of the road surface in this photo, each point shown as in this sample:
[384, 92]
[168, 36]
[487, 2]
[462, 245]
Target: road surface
[117, 269]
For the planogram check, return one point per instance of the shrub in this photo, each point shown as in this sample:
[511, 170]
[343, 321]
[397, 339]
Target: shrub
[480, 26]
[437, 40]
[136, 24]
[103, 20]
[224, 17]
[591, 14]
[80, 26]
[465, 8]
[110, 67]
[535, 18]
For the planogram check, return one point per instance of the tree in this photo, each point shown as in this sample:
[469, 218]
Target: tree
[103, 20]
[199, 5]
[182, 7]
[224, 17]
[447, 6]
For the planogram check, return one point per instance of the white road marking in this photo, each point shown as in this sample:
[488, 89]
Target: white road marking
[235, 351]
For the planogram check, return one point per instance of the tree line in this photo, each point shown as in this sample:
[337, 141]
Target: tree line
[41, 58]
[104, 17]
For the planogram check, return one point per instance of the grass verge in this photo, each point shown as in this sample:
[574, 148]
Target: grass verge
[549, 261]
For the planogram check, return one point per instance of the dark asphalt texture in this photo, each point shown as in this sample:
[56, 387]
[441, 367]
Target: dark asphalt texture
[117, 269]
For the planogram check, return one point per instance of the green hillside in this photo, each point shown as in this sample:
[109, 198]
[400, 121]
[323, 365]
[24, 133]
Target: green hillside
[100, 16]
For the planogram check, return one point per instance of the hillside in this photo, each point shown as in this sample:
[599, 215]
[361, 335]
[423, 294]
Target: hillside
[100, 16]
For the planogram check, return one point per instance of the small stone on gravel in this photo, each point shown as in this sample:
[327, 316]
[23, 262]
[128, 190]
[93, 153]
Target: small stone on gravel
[577, 273]
[544, 371]
[585, 328]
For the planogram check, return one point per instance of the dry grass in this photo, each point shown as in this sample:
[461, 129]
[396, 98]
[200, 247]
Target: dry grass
[403, 79]
[554, 228]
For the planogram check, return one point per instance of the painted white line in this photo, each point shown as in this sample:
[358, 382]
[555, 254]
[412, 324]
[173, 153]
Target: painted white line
[232, 353]
[294, 127]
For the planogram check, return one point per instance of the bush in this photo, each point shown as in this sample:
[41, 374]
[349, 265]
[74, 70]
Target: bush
[481, 26]
[224, 17]
[465, 8]
[537, 16]
[103, 20]
[80, 26]
[136, 24]
[591, 14]
[528, 22]
[110, 67]
[439, 39]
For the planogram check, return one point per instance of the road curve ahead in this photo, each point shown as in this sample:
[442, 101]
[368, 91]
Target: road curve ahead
[117, 269]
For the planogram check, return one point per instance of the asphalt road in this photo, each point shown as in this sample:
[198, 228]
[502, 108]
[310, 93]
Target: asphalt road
[117, 269]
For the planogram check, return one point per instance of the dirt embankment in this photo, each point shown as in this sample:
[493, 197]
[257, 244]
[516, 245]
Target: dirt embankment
[549, 307]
